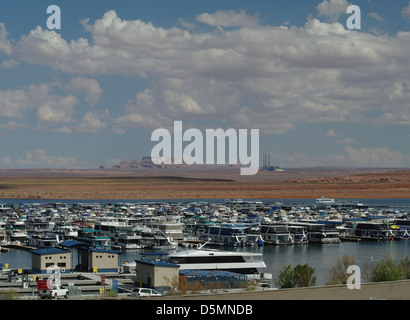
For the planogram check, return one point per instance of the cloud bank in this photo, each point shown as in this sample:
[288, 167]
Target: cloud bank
[236, 72]
[260, 76]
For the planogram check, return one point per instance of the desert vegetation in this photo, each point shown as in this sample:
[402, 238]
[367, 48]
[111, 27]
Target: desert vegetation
[205, 184]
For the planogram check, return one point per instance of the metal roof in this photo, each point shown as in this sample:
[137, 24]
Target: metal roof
[49, 251]
[103, 250]
[72, 243]
[157, 263]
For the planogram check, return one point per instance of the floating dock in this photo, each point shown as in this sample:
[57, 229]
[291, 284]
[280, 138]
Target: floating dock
[350, 238]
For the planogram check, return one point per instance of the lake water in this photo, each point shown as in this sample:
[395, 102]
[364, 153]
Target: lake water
[321, 257]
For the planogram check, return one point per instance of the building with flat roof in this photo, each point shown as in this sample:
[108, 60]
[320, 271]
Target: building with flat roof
[90, 259]
[43, 259]
[100, 260]
[156, 274]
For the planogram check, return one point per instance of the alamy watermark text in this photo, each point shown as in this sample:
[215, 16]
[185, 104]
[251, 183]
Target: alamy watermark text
[215, 141]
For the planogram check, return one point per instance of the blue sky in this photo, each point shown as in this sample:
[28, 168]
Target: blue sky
[92, 92]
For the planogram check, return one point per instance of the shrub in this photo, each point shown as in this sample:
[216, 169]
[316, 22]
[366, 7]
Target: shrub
[285, 278]
[9, 294]
[299, 276]
[338, 274]
[304, 276]
[386, 270]
[405, 266]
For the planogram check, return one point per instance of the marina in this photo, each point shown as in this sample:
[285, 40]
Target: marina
[254, 237]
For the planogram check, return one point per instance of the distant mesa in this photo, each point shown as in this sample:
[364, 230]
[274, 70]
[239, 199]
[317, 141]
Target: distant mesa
[145, 162]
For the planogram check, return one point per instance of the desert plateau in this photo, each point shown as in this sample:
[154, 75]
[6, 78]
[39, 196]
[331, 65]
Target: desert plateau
[204, 183]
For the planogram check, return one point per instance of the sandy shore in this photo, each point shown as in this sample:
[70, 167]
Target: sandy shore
[223, 184]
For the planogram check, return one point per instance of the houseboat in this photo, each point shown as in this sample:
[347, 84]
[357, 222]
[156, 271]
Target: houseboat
[94, 238]
[121, 233]
[41, 239]
[248, 263]
[226, 234]
[404, 228]
[16, 231]
[155, 238]
[298, 232]
[318, 233]
[324, 202]
[372, 230]
[276, 233]
[66, 232]
[128, 240]
[170, 225]
[110, 227]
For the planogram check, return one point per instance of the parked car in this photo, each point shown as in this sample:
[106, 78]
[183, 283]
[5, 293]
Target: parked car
[144, 292]
[55, 292]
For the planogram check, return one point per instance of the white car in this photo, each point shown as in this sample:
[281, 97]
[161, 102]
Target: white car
[57, 291]
[144, 292]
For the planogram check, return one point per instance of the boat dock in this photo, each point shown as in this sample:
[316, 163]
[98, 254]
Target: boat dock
[350, 238]
[18, 247]
[80, 284]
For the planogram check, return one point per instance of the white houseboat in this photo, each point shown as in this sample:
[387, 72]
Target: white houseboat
[375, 231]
[42, 239]
[318, 233]
[248, 263]
[324, 202]
[94, 239]
[128, 240]
[227, 234]
[276, 233]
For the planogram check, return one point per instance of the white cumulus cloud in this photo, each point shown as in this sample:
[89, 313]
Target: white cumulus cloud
[229, 18]
[332, 9]
[39, 159]
[89, 87]
[374, 157]
[253, 76]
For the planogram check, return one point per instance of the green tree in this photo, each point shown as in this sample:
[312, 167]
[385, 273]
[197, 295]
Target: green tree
[303, 276]
[285, 278]
[299, 276]
[405, 266]
[386, 270]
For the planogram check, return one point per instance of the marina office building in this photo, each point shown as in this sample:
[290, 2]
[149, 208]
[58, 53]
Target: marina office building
[89, 259]
[43, 259]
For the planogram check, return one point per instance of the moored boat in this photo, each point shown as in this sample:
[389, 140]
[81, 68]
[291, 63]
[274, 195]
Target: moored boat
[323, 201]
[248, 263]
